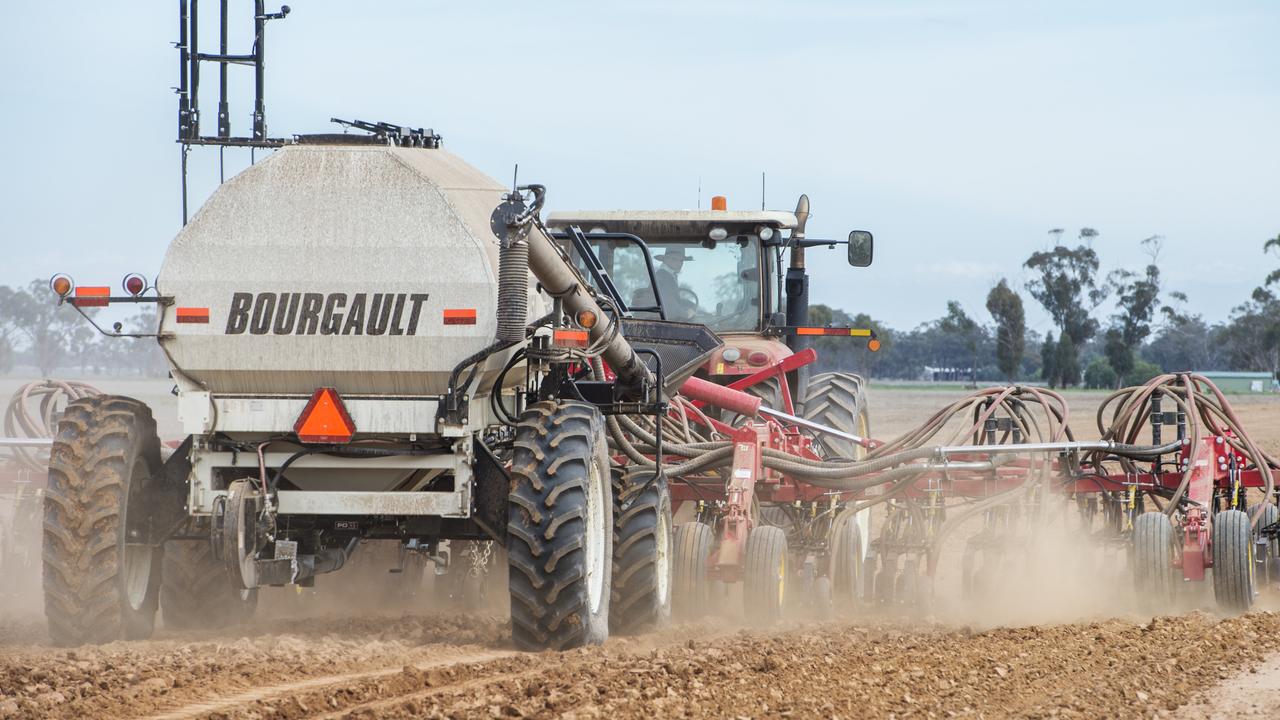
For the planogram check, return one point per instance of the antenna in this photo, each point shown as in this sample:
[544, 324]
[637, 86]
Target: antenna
[762, 191]
[515, 180]
[699, 192]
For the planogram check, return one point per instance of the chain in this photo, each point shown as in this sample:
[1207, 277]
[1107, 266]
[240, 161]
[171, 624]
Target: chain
[480, 558]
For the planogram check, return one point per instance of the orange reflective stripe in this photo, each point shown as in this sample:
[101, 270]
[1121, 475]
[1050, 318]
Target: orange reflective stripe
[460, 316]
[571, 338]
[192, 314]
[92, 297]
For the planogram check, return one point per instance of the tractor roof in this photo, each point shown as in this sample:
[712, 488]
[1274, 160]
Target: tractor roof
[671, 223]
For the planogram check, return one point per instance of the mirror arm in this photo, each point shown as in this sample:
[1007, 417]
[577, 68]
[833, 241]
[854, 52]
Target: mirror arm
[814, 242]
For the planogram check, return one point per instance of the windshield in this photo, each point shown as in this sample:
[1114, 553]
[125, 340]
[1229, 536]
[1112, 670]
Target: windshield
[718, 287]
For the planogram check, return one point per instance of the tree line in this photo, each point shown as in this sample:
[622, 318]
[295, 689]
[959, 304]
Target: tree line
[1151, 330]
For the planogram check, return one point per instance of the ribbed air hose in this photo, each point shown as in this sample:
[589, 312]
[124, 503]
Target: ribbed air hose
[513, 289]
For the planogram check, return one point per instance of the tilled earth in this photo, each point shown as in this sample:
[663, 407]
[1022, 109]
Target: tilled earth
[438, 666]
[1194, 665]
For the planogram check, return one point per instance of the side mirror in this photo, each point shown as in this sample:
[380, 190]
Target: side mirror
[861, 245]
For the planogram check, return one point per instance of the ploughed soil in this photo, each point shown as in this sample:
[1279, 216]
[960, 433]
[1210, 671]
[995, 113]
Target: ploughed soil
[1056, 640]
[436, 666]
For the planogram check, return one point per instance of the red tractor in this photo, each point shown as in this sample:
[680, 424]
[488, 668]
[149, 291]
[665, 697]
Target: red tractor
[742, 274]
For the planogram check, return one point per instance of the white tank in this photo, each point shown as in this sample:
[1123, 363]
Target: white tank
[370, 269]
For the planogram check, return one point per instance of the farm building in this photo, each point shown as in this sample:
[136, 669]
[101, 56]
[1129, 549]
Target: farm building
[1243, 382]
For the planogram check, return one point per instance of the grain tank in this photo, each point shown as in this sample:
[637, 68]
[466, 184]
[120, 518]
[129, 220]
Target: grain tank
[369, 342]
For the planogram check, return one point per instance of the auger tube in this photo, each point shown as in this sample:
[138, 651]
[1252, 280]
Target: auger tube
[563, 282]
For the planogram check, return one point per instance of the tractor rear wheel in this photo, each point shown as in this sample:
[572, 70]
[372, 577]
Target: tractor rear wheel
[101, 579]
[765, 574]
[1153, 554]
[559, 528]
[1232, 539]
[197, 591]
[838, 400]
[690, 588]
[641, 553]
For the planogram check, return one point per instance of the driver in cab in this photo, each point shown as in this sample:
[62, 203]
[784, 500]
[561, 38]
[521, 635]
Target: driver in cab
[667, 275]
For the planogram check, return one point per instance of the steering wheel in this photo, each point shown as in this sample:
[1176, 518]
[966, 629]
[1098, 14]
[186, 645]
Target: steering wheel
[688, 302]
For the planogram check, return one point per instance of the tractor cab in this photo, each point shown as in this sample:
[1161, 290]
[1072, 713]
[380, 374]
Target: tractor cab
[720, 268]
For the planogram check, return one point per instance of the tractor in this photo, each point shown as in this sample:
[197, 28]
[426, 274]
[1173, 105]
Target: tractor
[724, 269]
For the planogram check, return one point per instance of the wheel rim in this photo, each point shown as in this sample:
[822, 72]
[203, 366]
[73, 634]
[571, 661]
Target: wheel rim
[137, 574]
[137, 558]
[662, 555]
[595, 540]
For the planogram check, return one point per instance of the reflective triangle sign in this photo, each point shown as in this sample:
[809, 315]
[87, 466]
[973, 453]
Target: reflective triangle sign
[325, 419]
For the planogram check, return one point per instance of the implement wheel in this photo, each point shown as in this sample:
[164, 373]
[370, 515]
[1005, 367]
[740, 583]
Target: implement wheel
[690, 588]
[559, 528]
[1153, 553]
[1267, 552]
[197, 591]
[847, 561]
[765, 574]
[1232, 539]
[641, 553]
[101, 582]
[838, 400]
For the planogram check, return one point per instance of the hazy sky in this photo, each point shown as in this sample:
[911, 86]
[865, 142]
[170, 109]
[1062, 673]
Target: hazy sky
[958, 132]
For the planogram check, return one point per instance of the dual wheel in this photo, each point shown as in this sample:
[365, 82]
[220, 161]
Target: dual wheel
[587, 551]
[1235, 569]
[765, 572]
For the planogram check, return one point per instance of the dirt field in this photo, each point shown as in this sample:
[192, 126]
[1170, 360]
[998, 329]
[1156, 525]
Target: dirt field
[1063, 640]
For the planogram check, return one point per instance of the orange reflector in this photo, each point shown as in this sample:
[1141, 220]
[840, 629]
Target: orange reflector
[571, 338]
[61, 284]
[192, 315]
[460, 316]
[719, 202]
[325, 419]
[873, 345]
[91, 297]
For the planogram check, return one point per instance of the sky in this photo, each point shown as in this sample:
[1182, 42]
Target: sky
[959, 133]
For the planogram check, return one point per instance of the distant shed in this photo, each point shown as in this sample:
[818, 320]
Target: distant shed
[1242, 382]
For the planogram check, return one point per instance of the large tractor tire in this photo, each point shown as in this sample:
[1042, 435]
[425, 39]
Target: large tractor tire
[838, 400]
[98, 585]
[641, 553]
[197, 590]
[690, 586]
[765, 574]
[1233, 579]
[1153, 553]
[560, 528]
